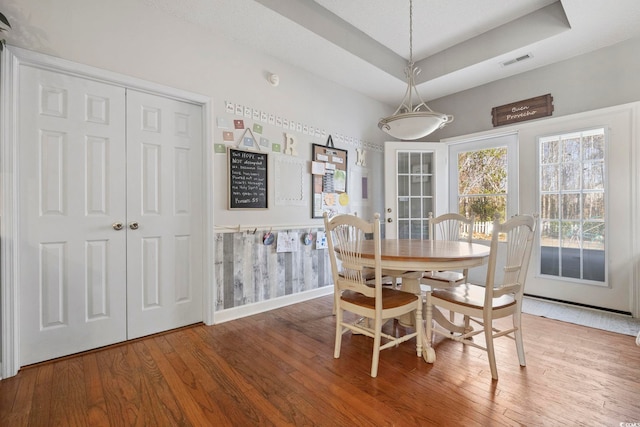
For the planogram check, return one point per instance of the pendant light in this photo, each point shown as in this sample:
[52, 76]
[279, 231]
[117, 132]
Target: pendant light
[409, 121]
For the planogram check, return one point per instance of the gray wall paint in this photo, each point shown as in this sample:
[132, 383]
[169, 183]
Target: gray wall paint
[603, 78]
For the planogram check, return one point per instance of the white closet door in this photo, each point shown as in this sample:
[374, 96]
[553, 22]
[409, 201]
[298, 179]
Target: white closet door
[164, 202]
[93, 157]
[71, 177]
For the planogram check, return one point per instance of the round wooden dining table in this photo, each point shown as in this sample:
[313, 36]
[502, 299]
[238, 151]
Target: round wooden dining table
[424, 255]
[410, 258]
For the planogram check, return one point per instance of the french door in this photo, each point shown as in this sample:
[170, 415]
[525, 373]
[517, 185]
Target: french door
[415, 184]
[110, 223]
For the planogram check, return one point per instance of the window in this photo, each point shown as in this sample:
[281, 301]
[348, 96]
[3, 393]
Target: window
[482, 175]
[572, 205]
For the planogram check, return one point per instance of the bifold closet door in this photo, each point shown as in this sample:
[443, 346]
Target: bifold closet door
[164, 213]
[110, 220]
[72, 271]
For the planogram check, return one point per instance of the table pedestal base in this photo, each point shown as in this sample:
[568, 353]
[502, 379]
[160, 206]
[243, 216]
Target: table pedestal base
[410, 283]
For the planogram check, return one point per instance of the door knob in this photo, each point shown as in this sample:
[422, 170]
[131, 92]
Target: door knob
[133, 225]
[117, 225]
[389, 220]
[389, 210]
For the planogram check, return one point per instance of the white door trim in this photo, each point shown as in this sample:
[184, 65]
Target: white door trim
[10, 61]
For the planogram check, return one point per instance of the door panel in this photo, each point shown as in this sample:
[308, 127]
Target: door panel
[110, 225]
[415, 184]
[164, 268]
[71, 271]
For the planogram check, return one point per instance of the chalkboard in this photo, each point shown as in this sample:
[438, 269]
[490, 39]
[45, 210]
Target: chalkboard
[247, 172]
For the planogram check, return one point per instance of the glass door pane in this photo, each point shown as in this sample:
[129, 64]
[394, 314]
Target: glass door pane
[414, 193]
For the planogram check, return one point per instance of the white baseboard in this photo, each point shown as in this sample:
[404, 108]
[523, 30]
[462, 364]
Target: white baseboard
[262, 306]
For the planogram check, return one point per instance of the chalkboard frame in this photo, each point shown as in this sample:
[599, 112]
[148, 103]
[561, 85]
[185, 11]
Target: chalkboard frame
[263, 202]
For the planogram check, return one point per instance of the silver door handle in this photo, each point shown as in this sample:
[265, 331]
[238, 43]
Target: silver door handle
[134, 225]
[117, 225]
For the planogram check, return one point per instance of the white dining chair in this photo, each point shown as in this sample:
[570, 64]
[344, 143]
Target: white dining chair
[352, 293]
[484, 304]
[368, 274]
[449, 226]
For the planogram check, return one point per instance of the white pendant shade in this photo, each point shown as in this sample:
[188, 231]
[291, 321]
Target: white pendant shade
[413, 125]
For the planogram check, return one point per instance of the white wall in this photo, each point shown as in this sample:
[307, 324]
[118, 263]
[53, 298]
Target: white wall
[128, 37]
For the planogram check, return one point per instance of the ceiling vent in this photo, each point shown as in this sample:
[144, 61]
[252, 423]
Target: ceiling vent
[516, 60]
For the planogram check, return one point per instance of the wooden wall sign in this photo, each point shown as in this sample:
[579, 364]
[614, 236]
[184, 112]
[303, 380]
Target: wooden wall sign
[519, 111]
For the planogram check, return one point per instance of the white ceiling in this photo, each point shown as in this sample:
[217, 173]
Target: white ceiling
[458, 44]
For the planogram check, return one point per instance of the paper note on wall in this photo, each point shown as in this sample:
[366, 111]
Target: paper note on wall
[287, 242]
[321, 240]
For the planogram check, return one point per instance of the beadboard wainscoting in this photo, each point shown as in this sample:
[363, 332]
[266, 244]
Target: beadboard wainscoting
[251, 277]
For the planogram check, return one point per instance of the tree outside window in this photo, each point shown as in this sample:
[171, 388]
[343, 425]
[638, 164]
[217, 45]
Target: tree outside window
[482, 187]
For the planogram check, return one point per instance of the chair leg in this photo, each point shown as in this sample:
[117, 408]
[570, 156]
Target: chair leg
[419, 326]
[338, 344]
[428, 353]
[488, 335]
[376, 347]
[517, 324]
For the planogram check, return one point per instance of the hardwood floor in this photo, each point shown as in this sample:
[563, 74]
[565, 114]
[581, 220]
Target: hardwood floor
[277, 368]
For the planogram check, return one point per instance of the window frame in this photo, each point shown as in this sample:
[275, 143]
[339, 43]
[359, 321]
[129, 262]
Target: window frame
[538, 272]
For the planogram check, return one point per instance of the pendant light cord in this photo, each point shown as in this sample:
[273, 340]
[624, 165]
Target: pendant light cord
[410, 33]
